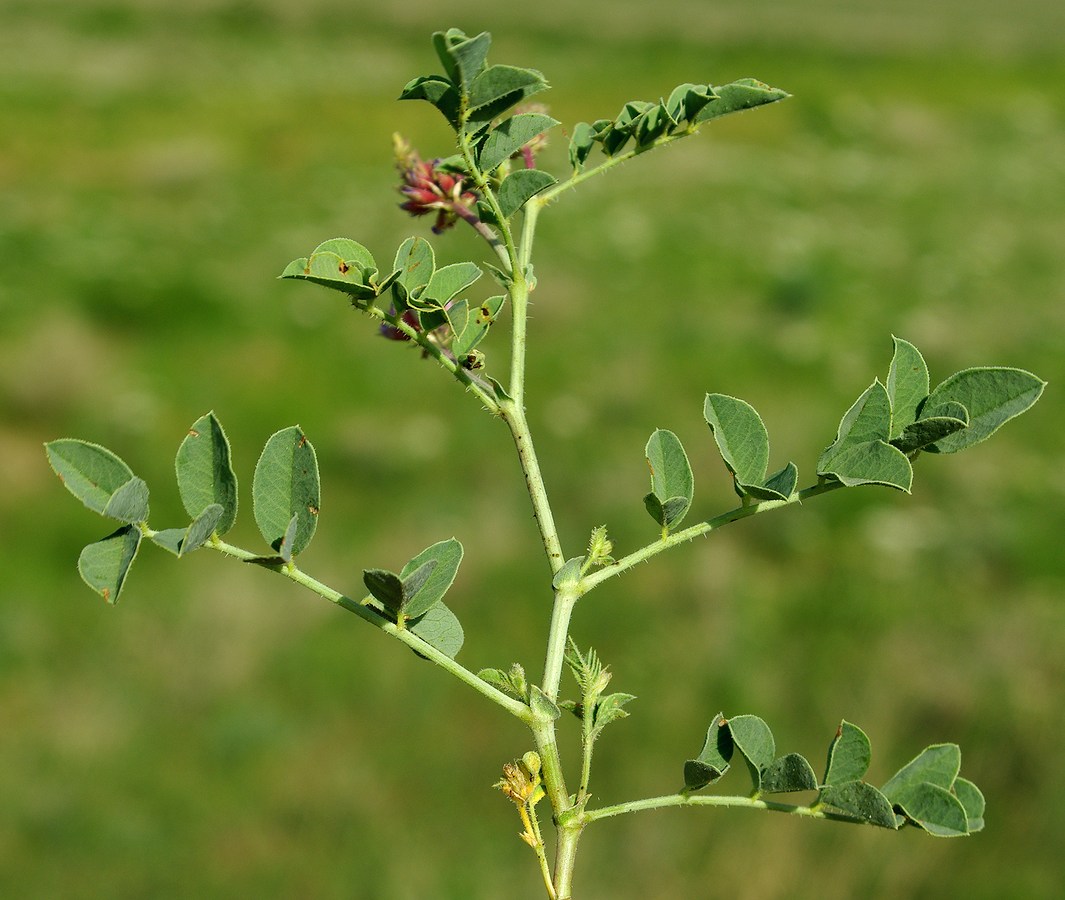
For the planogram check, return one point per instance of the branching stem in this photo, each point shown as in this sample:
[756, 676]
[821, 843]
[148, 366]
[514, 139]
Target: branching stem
[369, 614]
[669, 800]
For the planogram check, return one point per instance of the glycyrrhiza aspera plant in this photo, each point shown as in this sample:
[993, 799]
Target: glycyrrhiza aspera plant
[492, 183]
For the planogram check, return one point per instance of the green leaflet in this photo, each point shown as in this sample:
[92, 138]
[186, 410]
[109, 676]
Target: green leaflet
[104, 564]
[849, 755]
[992, 396]
[860, 453]
[416, 264]
[519, 187]
[498, 88]
[440, 628]
[445, 557]
[446, 283]
[205, 473]
[861, 800]
[439, 92]
[787, 774]
[180, 541]
[462, 57]
[907, 386]
[753, 738]
[286, 485]
[510, 136]
[672, 483]
[99, 479]
[470, 329]
[713, 760]
[341, 264]
[743, 443]
[736, 96]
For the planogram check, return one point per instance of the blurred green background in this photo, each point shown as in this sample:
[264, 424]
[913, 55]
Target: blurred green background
[223, 734]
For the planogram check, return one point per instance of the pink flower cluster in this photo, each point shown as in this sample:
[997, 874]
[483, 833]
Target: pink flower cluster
[429, 188]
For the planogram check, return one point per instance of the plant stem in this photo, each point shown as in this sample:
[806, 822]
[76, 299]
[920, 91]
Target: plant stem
[471, 382]
[369, 614]
[565, 859]
[702, 528]
[512, 413]
[668, 800]
[546, 196]
[565, 600]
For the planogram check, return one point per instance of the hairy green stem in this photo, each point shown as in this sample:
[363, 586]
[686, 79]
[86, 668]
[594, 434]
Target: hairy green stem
[565, 860]
[546, 196]
[471, 382]
[668, 800]
[558, 633]
[702, 528]
[369, 614]
[514, 416]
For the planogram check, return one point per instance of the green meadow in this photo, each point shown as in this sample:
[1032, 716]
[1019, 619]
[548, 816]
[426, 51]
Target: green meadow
[222, 734]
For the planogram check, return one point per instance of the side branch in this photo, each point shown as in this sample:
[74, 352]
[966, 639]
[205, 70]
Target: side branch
[669, 800]
[368, 614]
[688, 534]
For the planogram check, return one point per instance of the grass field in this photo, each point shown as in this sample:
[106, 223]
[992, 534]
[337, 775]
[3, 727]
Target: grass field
[220, 734]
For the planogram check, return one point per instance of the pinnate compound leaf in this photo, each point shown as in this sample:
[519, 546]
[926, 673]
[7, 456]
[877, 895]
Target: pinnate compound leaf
[286, 484]
[205, 473]
[443, 558]
[791, 772]
[992, 397]
[129, 503]
[907, 386]
[90, 472]
[744, 93]
[752, 737]
[713, 760]
[339, 263]
[104, 564]
[849, 755]
[440, 628]
[865, 802]
[672, 483]
[518, 187]
[510, 136]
